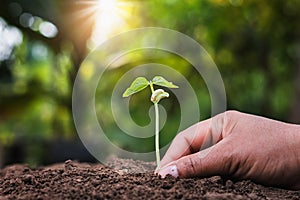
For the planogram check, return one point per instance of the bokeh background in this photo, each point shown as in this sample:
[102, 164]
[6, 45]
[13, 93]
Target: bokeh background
[255, 44]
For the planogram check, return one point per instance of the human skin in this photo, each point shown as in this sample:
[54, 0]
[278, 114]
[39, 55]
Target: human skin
[238, 146]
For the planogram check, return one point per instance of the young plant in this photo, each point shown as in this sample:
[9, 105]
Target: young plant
[141, 83]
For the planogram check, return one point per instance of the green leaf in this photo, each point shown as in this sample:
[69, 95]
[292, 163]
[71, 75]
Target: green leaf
[137, 85]
[159, 80]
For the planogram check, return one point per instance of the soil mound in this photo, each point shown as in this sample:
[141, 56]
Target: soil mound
[123, 179]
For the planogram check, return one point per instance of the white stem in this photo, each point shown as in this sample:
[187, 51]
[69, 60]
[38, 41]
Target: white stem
[157, 135]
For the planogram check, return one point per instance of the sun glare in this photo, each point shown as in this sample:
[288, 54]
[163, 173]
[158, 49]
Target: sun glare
[109, 19]
[106, 5]
[98, 20]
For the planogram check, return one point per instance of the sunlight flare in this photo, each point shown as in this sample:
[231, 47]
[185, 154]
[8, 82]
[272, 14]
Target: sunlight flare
[98, 20]
[109, 20]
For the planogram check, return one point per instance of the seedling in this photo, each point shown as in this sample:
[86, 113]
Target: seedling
[141, 83]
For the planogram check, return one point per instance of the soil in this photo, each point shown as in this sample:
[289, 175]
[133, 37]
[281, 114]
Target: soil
[122, 179]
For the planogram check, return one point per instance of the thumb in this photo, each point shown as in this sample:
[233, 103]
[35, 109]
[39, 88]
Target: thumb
[209, 162]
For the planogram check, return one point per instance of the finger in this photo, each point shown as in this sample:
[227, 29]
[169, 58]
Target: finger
[209, 162]
[185, 143]
[195, 138]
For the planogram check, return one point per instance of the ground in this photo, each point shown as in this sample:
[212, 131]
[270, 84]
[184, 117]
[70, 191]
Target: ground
[123, 179]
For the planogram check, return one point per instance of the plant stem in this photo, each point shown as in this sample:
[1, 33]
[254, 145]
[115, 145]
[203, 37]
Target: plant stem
[157, 135]
[156, 130]
[151, 86]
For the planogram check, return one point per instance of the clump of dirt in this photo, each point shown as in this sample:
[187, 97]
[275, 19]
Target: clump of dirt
[73, 180]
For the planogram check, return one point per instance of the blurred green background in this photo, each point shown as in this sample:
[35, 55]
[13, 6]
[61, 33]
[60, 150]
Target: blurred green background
[255, 44]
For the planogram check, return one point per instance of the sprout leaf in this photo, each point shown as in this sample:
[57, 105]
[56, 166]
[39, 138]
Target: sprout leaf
[161, 81]
[137, 85]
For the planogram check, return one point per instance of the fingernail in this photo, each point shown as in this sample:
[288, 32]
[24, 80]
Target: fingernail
[172, 170]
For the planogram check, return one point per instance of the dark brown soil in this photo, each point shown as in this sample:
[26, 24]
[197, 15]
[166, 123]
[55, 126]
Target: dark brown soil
[73, 180]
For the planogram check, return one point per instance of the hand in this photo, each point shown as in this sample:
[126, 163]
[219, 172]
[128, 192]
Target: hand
[238, 146]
